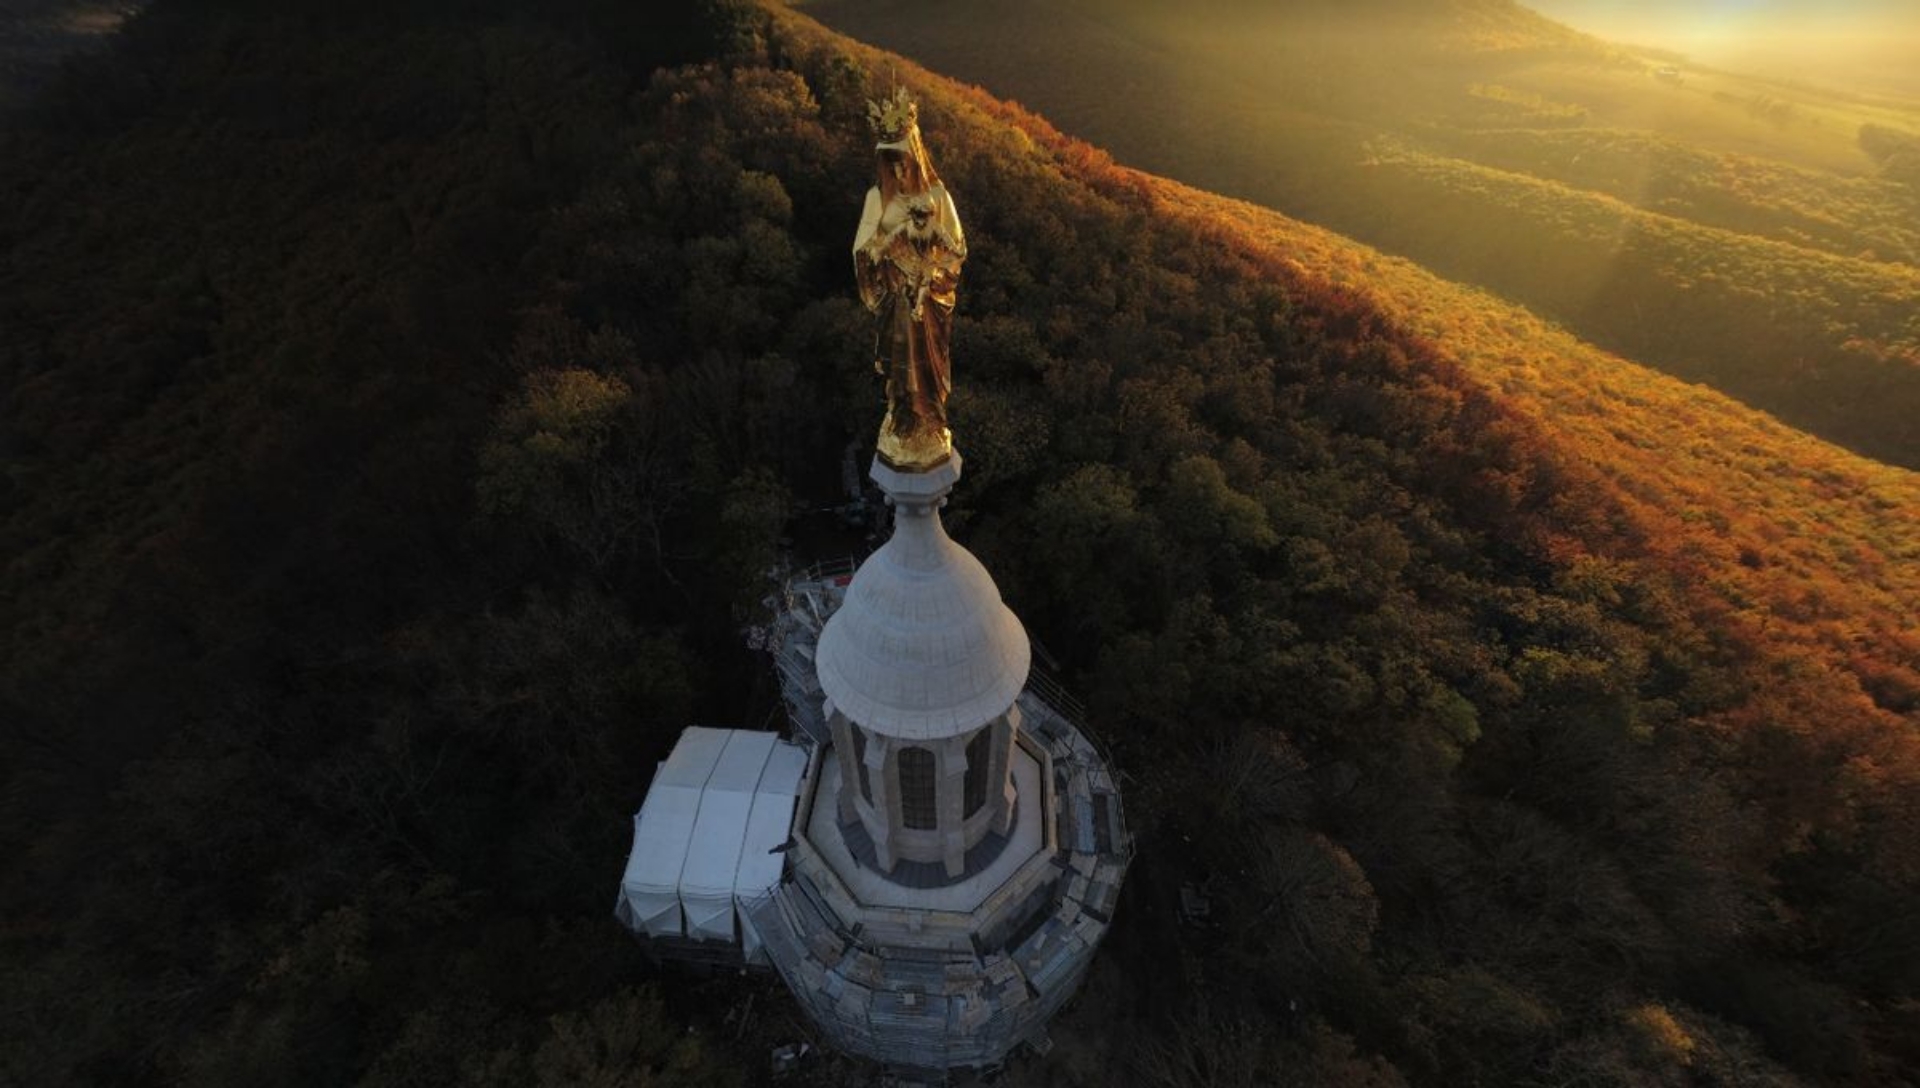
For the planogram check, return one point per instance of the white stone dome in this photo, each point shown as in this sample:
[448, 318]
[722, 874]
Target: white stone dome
[923, 647]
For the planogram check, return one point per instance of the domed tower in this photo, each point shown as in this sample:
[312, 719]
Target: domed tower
[958, 842]
[921, 668]
[932, 885]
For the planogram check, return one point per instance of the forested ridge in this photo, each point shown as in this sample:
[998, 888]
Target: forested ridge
[405, 403]
[1726, 229]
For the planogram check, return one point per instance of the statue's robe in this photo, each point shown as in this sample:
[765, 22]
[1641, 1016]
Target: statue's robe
[909, 284]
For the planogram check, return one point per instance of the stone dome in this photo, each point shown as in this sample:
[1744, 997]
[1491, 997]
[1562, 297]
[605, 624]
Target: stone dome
[923, 647]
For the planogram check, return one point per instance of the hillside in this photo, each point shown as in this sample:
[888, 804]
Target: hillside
[392, 463]
[1724, 229]
[36, 34]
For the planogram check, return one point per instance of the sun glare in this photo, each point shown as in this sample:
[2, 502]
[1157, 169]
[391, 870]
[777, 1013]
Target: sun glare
[1866, 43]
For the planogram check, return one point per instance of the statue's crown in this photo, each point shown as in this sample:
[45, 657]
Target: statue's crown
[893, 117]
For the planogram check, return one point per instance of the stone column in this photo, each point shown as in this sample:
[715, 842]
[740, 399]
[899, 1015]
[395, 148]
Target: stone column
[843, 749]
[951, 766]
[882, 771]
[1000, 788]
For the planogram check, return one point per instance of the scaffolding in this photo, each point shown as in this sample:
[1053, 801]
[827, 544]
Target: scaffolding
[807, 599]
[923, 1008]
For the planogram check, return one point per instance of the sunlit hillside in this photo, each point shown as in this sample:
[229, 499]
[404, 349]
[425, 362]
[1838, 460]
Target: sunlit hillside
[1753, 235]
[395, 462]
[36, 34]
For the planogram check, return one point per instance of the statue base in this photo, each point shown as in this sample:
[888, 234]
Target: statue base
[919, 451]
[917, 489]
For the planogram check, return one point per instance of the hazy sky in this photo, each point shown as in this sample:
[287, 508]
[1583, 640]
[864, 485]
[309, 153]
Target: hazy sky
[1707, 19]
[1821, 38]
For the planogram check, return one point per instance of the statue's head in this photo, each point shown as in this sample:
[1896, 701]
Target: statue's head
[893, 117]
[902, 162]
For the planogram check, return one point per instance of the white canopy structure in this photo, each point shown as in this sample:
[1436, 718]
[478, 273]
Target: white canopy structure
[719, 809]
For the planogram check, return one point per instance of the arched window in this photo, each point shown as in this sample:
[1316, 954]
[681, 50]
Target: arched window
[860, 761]
[917, 795]
[979, 754]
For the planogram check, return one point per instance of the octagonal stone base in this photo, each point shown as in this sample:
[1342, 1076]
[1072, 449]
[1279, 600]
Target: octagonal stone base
[960, 974]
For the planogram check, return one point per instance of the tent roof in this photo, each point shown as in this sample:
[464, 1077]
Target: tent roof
[720, 804]
[713, 853]
[665, 824]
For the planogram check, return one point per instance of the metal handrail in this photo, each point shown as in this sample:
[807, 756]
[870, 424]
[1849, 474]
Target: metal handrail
[1056, 698]
[825, 569]
[1053, 693]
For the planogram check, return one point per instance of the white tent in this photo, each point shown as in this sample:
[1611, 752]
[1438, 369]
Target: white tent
[650, 889]
[713, 855]
[719, 807]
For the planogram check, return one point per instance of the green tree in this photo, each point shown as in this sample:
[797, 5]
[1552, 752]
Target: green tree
[626, 1041]
[579, 459]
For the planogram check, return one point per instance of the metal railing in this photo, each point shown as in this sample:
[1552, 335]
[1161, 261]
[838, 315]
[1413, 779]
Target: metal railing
[825, 569]
[1052, 694]
[1058, 699]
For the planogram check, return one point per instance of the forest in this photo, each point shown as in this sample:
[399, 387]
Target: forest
[1727, 229]
[409, 405]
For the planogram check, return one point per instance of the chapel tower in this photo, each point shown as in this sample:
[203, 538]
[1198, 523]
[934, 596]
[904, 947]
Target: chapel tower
[955, 843]
[921, 668]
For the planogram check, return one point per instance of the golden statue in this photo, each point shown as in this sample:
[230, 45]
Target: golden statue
[907, 256]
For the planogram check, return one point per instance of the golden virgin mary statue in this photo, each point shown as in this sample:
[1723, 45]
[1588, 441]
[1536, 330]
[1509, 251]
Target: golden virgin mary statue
[907, 256]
